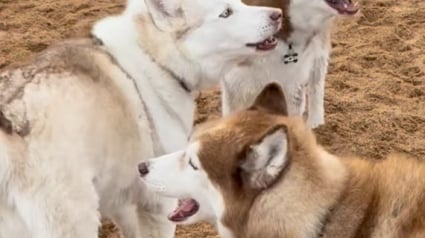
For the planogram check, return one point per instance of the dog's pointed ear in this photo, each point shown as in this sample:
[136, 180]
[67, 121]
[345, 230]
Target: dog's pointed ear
[272, 100]
[167, 15]
[265, 159]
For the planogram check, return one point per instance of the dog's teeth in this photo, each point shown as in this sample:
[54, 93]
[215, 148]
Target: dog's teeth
[345, 5]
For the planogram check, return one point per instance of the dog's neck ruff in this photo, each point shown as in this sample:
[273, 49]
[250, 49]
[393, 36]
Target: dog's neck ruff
[155, 137]
[298, 37]
[179, 79]
[325, 220]
[300, 41]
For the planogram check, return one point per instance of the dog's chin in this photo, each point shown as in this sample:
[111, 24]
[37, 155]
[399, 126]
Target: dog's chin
[186, 209]
[264, 45]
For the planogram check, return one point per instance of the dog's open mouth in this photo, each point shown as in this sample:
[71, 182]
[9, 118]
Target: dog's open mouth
[267, 44]
[186, 208]
[345, 7]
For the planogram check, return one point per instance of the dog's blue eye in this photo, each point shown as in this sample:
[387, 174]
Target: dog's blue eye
[192, 165]
[226, 13]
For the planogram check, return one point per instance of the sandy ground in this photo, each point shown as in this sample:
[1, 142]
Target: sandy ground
[375, 98]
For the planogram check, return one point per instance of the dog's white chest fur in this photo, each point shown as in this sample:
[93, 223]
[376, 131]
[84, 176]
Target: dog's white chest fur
[299, 77]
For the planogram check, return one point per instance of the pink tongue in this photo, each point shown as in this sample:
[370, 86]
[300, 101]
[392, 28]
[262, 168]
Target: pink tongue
[267, 44]
[347, 6]
[185, 206]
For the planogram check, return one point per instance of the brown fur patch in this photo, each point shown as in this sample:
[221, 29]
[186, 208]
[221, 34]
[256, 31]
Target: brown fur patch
[223, 150]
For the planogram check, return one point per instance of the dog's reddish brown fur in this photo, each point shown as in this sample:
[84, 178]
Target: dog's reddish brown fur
[316, 193]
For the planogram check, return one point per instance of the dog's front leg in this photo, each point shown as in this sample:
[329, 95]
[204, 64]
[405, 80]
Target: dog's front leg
[316, 93]
[316, 82]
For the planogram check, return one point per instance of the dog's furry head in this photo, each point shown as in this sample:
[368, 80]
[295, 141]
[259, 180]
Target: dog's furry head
[190, 36]
[232, 160]
[212, 28]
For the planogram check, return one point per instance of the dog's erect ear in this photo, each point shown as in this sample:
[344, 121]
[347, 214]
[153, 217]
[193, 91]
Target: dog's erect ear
[272, 100]
[265, 159]
[167, 15]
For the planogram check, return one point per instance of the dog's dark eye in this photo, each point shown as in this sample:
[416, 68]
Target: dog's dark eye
[192, 165]
[226, 13]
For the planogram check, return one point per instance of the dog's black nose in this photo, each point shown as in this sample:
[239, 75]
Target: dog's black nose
[143, 168]
[276, 16]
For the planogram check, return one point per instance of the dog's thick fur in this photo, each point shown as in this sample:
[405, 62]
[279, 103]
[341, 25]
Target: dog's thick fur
[306, 28]
[262, 174]
[75, 122]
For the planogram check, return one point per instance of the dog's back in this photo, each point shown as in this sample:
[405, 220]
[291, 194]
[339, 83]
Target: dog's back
[377, 199]
[382, 199]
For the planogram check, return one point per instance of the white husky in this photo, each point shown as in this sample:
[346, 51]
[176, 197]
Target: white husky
[75, 122]
[299, 63]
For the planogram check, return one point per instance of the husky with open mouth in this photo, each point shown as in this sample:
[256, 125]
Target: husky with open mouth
[75, 122]
[261, 174]
[299, 62]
